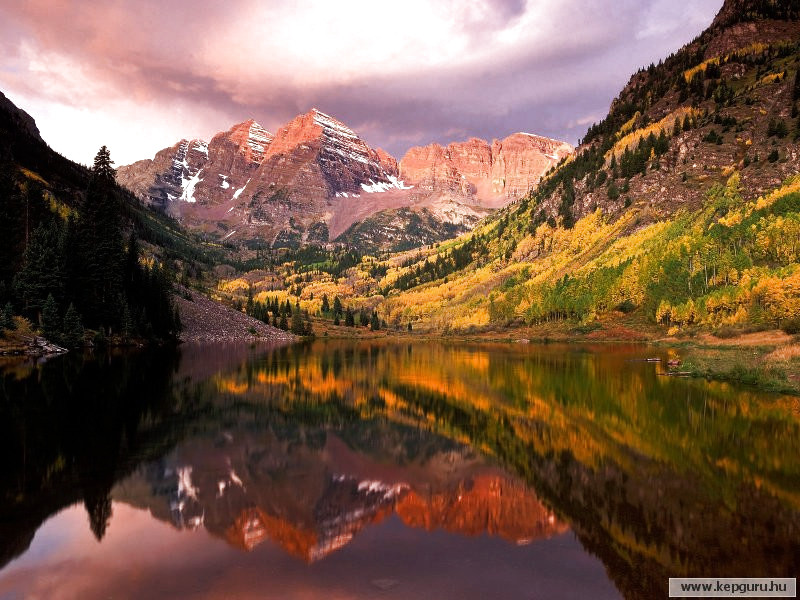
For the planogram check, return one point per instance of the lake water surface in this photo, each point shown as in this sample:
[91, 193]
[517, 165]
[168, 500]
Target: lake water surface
[388, 470]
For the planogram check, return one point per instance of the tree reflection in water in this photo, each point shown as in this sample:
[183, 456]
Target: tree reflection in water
[307, 444]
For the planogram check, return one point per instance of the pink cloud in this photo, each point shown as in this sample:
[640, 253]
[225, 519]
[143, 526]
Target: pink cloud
[400, 73]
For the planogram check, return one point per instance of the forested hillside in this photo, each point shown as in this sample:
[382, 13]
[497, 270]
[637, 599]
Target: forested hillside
[681, 207]
[72, 257]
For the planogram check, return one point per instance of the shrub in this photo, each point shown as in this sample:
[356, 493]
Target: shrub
[791, 326]
[626, 306]
[727, 332]
[777, 128]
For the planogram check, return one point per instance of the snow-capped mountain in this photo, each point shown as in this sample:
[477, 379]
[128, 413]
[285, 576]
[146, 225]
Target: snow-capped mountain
[315, 178]
[199, 172]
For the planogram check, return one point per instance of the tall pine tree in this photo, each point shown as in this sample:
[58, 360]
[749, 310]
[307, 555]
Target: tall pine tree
[99, 257]
[51, 320]
[73, 328]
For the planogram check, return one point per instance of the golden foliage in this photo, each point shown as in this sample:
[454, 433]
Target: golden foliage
[755, 48]
[688, 74]
[630, 140]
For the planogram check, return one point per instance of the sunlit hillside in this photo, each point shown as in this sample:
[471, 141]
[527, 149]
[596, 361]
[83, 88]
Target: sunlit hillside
[681, 210]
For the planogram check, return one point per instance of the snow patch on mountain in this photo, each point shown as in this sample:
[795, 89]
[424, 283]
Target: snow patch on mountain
[238, 192]
[200, 146]
[188, 186]
[258, 139]
[340, 139]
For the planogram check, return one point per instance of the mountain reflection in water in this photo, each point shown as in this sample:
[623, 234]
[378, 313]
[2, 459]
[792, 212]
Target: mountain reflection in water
[313, 446]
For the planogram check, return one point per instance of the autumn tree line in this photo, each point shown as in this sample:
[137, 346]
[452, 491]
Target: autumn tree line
[282, 315]
[71, 267]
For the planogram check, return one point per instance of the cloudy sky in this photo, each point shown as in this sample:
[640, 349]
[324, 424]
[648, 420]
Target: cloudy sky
[138, 75]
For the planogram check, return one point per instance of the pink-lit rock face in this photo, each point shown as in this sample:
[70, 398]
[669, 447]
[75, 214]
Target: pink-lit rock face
[315, 157]
[316, 177]
[197, 172]
[520, 160]
[493, 174]
[250, 181]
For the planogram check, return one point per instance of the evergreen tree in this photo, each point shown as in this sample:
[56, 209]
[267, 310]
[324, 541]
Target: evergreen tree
[73, 329]
[127, 326]
[100, 258]
[337, 306]
[796, 88]
[176, 321]
[613, 191]
[7, 317]
[308, 328]
[297, 323]
[349, 319]
[102, 168]
[336, 320]
[98, 507]
[51, 321]
[661, 146]
[284, 323]
[374, 323]
[132, 270]
[326, 307]
[249, 305]
[36, 210]
[41, 273]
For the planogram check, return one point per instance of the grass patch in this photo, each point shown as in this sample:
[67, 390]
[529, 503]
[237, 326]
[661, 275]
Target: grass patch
[588, 328]
[762, 368]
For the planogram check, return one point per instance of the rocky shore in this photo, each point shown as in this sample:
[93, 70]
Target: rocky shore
[207, 321]
[35, 346]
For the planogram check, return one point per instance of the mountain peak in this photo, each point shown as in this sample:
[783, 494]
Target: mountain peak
[330, 123]
[251, 138]
[745, 11]
[22, 119]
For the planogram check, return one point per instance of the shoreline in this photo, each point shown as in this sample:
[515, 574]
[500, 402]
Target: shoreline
[764, 360]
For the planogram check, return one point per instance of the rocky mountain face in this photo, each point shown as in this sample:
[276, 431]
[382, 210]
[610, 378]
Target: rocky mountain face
[491, 173]
[315, 178]
[284, 187]
[24, 150]
[194, 171]
[18, 117]
[752, 11]
[727, 101]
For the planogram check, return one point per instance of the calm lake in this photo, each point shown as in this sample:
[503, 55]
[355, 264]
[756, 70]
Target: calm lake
[388, 470]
